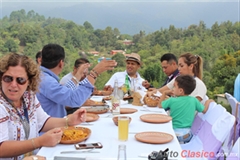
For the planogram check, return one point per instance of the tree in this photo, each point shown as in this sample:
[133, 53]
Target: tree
[11, 45]
[88, 26]
[120, 58]
[152, 73]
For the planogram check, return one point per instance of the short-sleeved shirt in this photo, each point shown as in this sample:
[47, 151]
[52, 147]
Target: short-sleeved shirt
[182, 110]
[121, 78]
[199, 91]
[11, 128]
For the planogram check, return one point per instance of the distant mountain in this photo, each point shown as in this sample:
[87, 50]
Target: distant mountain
[131, 17]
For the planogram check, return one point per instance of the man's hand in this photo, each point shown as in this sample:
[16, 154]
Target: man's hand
[108, 88]
[146, 84]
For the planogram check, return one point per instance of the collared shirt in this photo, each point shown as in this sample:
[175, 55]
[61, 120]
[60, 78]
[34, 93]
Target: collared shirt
[68, 77]
[121, 76]
[171, 77]
[54, 97]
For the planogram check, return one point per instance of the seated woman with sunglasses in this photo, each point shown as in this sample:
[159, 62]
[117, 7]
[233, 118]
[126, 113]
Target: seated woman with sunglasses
[21, 115]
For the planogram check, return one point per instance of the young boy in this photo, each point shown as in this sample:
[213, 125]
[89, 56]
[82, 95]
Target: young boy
[182, 106]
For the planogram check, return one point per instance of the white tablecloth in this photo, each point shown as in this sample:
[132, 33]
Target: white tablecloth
[105, 131]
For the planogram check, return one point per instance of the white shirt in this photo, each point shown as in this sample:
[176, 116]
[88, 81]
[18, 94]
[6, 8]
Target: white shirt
[199, 91]
[121, 76]
[11, 129]
[68, 77]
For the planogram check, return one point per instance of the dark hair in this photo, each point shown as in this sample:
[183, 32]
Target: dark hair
[31, 68]
[187, 83]
[52, 54]
[38, 55]
[197, 62]
[169, 57]
[80, 61]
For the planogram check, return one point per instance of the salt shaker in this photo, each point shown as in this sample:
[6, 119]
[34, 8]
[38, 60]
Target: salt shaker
[122, 152]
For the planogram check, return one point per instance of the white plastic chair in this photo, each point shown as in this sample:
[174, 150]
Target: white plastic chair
[235, 105]
[235, 152]
[216, 125]
[201, 117]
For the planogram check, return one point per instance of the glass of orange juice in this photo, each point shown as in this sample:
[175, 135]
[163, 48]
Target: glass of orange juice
[123, 122]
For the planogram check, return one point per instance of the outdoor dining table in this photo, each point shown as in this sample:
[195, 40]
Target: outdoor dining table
[105, 131]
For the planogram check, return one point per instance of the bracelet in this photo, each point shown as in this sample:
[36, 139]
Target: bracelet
[92, 76]
[95, 72]
[33, 144]
[75, 79]
[66, 121]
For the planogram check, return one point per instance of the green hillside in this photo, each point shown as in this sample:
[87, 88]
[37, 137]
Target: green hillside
[219, 46]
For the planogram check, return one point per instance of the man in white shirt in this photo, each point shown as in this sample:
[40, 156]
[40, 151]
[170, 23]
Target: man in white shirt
[130, 77]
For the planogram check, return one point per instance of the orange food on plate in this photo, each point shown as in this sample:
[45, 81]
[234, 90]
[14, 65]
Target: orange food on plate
[73, 134]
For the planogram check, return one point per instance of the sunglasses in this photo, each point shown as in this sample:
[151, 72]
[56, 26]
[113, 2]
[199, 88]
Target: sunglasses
[9, 79]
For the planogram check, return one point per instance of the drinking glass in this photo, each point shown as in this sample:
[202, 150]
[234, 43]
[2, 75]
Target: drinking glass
[123, 122]
[122, 152]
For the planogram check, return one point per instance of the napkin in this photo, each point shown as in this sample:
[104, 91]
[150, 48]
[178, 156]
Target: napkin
[142, 93]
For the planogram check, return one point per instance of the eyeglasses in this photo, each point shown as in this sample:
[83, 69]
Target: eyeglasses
[9, 79]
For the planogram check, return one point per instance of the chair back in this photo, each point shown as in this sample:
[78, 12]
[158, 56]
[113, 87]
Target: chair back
[235, 152]
[216, 125]
[233, 103]
[235, 132]
[200, 117]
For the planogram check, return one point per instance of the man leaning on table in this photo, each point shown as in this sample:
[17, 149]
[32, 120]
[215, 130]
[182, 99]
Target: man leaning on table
[130, 75]
[169, 65]
[52, 95]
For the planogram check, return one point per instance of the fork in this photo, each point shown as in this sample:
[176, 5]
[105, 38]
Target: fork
[108, 116]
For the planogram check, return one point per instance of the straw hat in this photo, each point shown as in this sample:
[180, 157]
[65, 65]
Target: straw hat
[134, 57]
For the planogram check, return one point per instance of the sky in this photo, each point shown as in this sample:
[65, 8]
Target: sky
[131, 15]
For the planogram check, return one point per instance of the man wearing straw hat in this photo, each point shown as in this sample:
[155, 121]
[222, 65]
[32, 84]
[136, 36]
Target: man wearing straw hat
[130, 77]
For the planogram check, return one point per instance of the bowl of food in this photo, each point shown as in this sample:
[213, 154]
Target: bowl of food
[151, 101]
[115, 119]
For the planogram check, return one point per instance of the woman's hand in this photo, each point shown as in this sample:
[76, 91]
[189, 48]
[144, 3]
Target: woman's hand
[77, 117]
[169, 92]
[34, 157]
[152, 92]
[50, 138]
